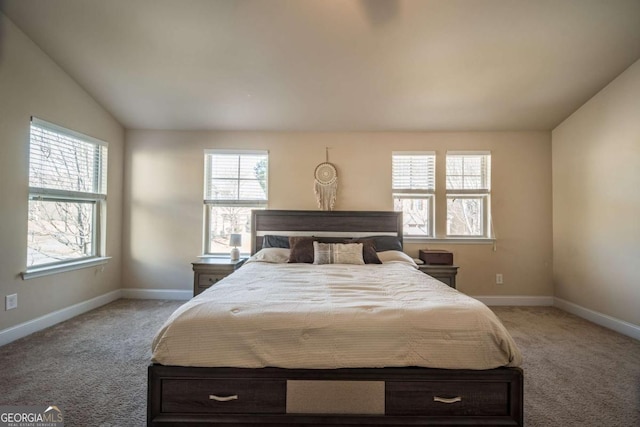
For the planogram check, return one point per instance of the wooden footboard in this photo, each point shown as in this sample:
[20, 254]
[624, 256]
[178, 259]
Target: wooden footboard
[410, 396]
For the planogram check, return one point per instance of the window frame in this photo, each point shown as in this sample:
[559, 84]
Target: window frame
[427, 193]
[483, 194]
[49, 194]
[209, 204]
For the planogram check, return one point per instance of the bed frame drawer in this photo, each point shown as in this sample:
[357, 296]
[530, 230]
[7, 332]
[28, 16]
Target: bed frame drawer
[224, 396]
[447, 398]
[179, 396]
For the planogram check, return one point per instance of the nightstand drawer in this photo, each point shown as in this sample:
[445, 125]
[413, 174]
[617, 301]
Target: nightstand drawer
[447, 398]
[447, 280]
[208, 280]
[224, 396]
[444, 273]
[208, 271]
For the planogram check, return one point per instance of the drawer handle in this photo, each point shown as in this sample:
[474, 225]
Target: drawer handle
[447, 400]
[223, 398]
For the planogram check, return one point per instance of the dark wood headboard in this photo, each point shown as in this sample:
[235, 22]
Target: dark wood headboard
[323, 223]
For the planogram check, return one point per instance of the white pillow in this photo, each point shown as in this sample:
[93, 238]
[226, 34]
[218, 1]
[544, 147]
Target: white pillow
[272, 255]
[337, 253]
[396, 256]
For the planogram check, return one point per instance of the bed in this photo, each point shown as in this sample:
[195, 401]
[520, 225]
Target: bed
[379, 344]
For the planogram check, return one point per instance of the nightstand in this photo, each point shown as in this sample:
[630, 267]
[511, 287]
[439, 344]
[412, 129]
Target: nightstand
[444, 273]
[207, 271]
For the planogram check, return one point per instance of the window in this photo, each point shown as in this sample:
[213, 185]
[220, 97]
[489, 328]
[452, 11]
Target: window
[67, 195]
[235, 183]
[468, 191]
[414, 184]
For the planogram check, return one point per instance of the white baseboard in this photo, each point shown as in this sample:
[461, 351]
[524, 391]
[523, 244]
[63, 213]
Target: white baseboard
[23, 329]
[515, 300]
[601, 319]
[173, 294]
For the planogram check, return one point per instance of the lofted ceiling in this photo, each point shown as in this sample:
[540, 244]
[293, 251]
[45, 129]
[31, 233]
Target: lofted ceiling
[336, 65]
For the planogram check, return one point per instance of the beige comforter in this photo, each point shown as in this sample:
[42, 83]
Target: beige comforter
[333, 316]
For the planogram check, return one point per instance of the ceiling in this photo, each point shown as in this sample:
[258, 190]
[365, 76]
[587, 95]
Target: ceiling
[337, 65]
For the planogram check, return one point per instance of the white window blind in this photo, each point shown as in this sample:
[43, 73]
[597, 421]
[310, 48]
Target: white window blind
[414, 171]
[469, 171]
[236, 178]
[63, 163]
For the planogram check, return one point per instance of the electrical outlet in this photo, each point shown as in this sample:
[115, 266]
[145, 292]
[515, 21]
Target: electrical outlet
[499, 280]
[11, 302]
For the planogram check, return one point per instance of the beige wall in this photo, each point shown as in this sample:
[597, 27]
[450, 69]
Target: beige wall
[32, 84]
[596, 202]
[163, 197]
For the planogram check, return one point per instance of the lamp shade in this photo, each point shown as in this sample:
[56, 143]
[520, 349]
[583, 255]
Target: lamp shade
[235, 240]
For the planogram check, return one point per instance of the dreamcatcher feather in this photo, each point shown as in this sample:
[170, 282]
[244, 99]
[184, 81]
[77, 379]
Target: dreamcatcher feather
[326, 185]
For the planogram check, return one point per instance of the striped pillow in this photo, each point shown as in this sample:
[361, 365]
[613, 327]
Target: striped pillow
[337, 253]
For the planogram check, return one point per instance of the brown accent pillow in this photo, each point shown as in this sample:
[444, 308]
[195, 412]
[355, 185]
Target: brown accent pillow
[368, 250]
[301, 249]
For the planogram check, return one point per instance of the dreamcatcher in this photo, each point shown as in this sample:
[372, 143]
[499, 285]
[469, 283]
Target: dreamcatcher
[326, 184]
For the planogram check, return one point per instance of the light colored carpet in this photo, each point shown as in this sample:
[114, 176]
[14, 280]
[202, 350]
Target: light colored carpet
[94, 367]
[576, 373]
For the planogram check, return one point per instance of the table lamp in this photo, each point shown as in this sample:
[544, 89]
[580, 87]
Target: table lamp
[235, 240]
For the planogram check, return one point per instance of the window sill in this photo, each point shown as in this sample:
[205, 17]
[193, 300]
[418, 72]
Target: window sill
[242, 255]
[452, 240]
[34, 272]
